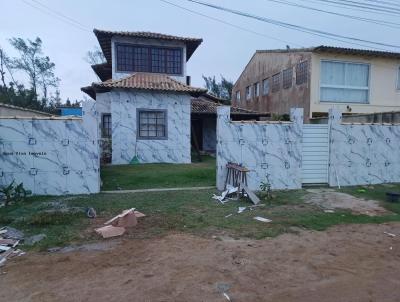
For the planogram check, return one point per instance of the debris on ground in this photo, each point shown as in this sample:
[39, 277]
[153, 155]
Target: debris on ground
[34, 239]
[389, 234]
[116, 225]
[9, 239]
[329, 211]
[241, 209]
[250, 194]
[229, 215]
[227, 297]
[91, 213]
[262, 219]
[229, 191]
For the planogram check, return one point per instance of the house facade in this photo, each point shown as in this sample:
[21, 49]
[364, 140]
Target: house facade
[320, 78]
[144, 99]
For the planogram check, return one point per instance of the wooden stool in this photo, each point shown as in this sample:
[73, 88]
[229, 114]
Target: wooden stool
[236, 176]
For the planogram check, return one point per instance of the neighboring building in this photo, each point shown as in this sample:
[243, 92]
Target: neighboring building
[144, 101]
[319, 78]
[68, 110]
[204, 120]
[7, 110]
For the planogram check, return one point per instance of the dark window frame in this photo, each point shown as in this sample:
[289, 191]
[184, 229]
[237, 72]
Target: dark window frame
[287, 78]
[150, 60]
[276, 85]
[139, 125]
[302, 72]
[106, 132]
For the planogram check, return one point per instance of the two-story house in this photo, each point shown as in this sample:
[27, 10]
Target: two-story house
[144, 99]
[320, 78]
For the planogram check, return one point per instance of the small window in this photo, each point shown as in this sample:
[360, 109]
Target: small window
[398, 79]
[152, 124]
[276, 82]
[266, 87]
[238, 96]
[256, 89]
[248, 93]
[302, 73]
[106, 125]
[287, 76]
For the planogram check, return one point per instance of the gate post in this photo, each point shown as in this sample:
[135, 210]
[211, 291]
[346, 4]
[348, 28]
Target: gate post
[223, 119]
[334, 120]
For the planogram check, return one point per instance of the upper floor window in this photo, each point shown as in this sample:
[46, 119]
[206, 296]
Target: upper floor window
[287, 76]
[106, 125]
[238, 95]
[276, 82]
[131, 58]
[256, 89]
[344, 82]
[248, 93]
[265, 87]
[302, 73]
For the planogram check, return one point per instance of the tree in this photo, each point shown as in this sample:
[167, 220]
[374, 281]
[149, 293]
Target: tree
[38, 68]
[95, 56]
[222, 89]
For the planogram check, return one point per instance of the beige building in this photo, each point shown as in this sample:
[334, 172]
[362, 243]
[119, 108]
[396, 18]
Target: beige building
[320, 78]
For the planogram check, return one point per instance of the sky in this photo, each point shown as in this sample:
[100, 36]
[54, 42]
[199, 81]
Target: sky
[225, 49]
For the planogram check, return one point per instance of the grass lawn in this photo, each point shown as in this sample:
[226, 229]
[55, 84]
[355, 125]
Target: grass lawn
[146, 176]
[183, 211]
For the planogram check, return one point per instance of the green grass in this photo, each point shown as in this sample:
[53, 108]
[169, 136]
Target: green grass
[182, 211]
[145, 176]
[376, 192]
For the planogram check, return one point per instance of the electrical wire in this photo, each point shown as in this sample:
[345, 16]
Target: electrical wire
[231, 24]
[311, 31]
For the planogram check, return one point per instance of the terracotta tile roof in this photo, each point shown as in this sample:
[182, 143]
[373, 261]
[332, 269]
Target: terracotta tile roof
[201, 105]
[104, 38]
[145, 81]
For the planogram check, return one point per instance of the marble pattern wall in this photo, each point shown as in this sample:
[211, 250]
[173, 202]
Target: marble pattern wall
[363, 154]
[51, 156]
[272, 151]
[125, 145]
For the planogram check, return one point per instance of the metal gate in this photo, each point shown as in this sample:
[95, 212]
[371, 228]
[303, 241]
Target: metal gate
[315, 154]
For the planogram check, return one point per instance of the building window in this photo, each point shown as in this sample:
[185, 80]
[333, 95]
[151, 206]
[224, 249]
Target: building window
[248, 93]
[302, 73]
[398, 79]
[276, 82]
[238, 96]
[344, 82]
[106, 125]
[287, 76]
[265, 87]
[256, 89]
[152, 124]
[131, 58]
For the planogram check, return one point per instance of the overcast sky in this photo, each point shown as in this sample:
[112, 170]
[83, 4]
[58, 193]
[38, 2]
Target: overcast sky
[225, 49]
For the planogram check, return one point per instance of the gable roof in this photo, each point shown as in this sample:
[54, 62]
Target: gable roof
[104, 38]
[144, 81]
[337, 50]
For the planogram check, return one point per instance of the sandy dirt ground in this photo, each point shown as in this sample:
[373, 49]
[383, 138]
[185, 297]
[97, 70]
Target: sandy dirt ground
[345, 263]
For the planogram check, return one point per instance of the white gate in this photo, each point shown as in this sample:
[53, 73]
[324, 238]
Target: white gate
[315, 153]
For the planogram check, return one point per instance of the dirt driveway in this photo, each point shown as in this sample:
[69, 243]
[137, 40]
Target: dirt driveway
[345, 263]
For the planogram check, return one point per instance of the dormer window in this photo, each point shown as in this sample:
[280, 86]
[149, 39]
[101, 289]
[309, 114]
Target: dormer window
[139, 58]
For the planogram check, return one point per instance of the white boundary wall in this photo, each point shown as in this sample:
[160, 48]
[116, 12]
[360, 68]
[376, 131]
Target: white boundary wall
[51, 156]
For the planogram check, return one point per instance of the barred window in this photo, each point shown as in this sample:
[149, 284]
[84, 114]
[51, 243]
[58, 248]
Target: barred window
[302, 73]
[256, 89]
[131, 58]
[248, 93]
[276, 82]
[106, 125]
[152, 124]
[238, 95]
[287, 76]
[265, 87]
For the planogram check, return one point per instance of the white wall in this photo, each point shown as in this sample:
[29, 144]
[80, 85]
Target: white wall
[174, 149]
[383, 95]
[51, 156]
[270, 150]
[116, 39]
